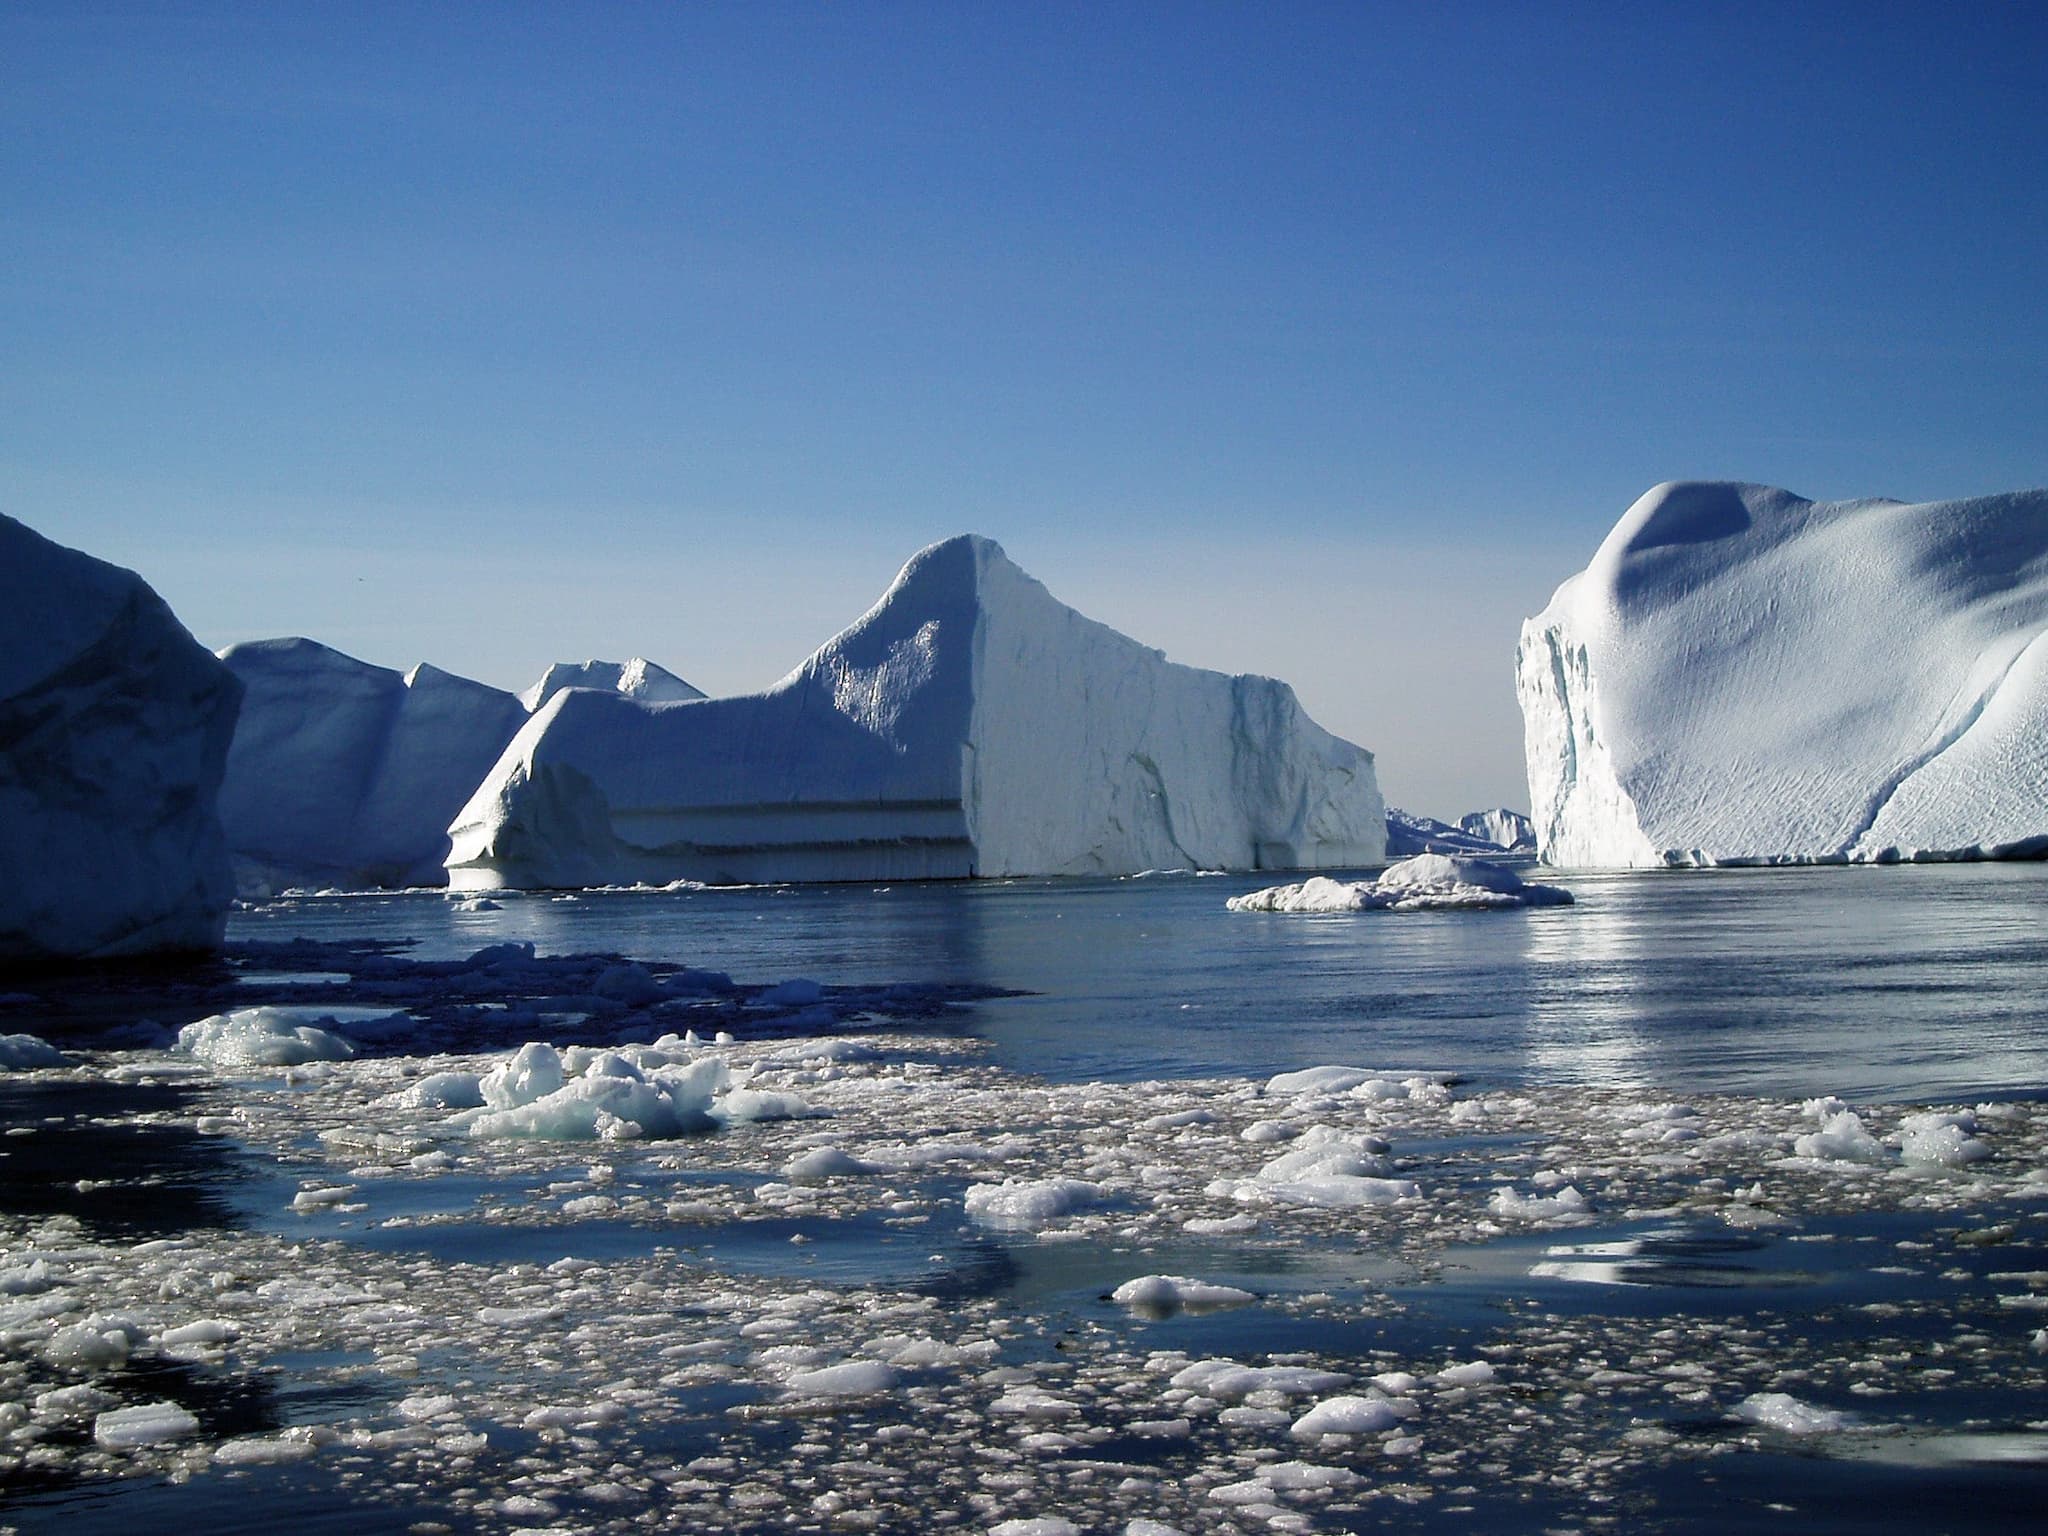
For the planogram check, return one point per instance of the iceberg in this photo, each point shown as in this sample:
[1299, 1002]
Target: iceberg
[638, 678]
[345, 774]
[968, 725]
[116, 723]
[1742, 676]
[1507, 830]
[1429, 882]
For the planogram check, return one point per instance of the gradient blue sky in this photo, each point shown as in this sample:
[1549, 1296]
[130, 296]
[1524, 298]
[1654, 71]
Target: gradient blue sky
[1320, 341]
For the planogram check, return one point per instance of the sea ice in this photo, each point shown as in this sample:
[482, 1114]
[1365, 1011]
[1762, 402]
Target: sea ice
[1745, 676]
[969, 724]
[1177, 1293]
[121, 1429]
[1028, 1203]
[116, 723]
[25, 1053]
[1788, 1415]
[261, 1037]
[1428, 882]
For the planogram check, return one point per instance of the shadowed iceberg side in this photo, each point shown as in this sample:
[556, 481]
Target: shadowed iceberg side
[1744, 676]
[968, 724]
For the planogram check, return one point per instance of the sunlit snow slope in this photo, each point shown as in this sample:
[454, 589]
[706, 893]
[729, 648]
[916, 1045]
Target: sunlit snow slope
[969, 724]
[1744, 676]
[114, 723]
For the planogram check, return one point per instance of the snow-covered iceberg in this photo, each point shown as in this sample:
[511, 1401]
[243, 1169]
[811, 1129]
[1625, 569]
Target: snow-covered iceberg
[637, 678]
[968, 724]
[345, 774]
[1744, 676]
[115, 723]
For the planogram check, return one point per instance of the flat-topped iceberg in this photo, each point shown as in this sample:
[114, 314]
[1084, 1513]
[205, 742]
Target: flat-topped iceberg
[969, 724]
[345, 774]
[116, 723]
[1428, 882]
[1744, 676]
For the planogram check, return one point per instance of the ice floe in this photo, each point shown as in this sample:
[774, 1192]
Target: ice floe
[1428, 882]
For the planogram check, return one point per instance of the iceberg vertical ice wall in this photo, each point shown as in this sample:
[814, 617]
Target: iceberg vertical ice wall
[1744, 676]
[968, 724]
[114, 725]
[343, 773]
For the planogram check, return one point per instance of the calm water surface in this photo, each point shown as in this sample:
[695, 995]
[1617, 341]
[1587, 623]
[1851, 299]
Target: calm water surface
[1892, 983]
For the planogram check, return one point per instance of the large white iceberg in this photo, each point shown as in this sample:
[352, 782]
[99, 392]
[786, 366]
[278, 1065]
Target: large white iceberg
[346, 774]
[1744, 676]
[115, 724]
[969, 724]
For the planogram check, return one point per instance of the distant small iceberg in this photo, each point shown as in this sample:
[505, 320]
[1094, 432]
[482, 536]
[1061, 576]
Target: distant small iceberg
[1429, 882]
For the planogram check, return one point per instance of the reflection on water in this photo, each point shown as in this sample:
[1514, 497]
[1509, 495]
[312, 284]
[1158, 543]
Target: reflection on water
[1901, 982]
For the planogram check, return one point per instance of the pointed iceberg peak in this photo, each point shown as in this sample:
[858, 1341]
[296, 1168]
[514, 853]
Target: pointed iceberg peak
[636, 678]
[967, 724]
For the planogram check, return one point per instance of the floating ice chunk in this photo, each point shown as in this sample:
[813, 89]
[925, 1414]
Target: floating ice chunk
[827, 1163]
[1476, 1374]
[121, 1429]
[1842, 1139]
[201, 1332]
[1176, 1293]
[93, 1345]
[750, 1104]
[1347, 1416]
[1228, 1380]
[1941, 1140]
[25, 1053]
[1788, 1415]
[1040, 1525]
[261, 1037]
[444, 1090]
[1565, 1204]
[1427, 882]
[1025, 1204]
[850, 1378]
[264, 1450]
[1303, 1477]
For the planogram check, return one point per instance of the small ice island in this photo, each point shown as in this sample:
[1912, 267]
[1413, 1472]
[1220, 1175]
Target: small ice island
[1742, 676]
[968, 724]
[1429, 882]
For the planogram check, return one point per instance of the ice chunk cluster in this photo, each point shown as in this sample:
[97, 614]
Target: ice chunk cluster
[669, 1088]
[1429, 882]
[1745, 676]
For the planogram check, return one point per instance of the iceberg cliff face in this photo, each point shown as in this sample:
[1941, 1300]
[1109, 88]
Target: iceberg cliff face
[345, 774]
[114, 724]
[1744, 676]
[968, 724]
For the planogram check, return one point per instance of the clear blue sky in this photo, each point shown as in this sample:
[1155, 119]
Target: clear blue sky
[1314, 340]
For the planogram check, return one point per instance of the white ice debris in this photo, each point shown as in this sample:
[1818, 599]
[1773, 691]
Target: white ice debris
[116, 723]
[1941, 1139]
[1745, 676]
[25, 1053]
[1426, 883]
[1177, 1293]
[1843, 1139]
[261, 1037]
[121, 1429]
[1027, 1203]
[1347, 1415]
[1788, 1415]
[969, 724]
[1560, 1207]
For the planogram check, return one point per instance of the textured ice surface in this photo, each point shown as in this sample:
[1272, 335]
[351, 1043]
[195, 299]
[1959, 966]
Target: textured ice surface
[969, 724]
[262, 1037]
[116, 724]
[1428, 882]
[1742, 675]
[23, 1053]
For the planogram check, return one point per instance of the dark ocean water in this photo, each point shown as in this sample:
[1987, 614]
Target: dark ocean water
[1894, 983]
